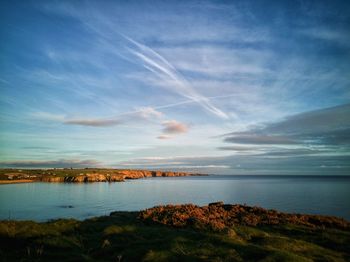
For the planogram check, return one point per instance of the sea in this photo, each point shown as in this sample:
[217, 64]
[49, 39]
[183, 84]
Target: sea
[324, 195]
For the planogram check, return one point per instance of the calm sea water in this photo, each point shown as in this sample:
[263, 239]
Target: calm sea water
[43, 201]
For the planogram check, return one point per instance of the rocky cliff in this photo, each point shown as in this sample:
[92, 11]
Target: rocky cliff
[115, 176]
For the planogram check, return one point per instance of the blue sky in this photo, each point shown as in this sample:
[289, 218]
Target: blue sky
[225, 87]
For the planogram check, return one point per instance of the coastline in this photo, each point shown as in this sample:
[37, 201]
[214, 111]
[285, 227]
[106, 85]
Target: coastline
[87, 175]
[181, 233]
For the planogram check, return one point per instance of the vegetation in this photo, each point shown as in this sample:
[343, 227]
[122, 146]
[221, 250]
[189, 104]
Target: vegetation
[144, 236]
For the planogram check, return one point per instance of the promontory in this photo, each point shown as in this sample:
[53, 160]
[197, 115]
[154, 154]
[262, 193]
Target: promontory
[70, 175]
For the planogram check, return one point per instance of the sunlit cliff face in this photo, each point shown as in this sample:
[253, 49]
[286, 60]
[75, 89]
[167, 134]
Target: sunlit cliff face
[225, 88]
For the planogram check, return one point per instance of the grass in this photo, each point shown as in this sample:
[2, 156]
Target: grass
[124, 237]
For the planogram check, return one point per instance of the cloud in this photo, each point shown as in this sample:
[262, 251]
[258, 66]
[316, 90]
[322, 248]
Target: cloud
[148, 112]
[336, 35]
[321, 137]
[324, 126]
[165, 71]
[93, 122]
[46, 116]
[190, 164]
[62, 163]
[305, 163]
[36, 147]
[219, 61]
[238, 148]
[320, 144]
[174, 127]
[164, 137]
[140, 114]
[260, 139]
[298, 152]
[317, 121]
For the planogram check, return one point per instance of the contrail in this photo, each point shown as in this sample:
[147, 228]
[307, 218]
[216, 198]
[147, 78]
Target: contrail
[127, 116]
[163, 69]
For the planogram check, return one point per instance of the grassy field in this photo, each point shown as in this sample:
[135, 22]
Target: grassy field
[123, 236]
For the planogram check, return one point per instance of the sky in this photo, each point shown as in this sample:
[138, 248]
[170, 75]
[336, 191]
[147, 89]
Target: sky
[219, 87]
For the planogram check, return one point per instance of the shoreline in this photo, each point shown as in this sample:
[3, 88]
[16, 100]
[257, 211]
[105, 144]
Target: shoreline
[217, 231]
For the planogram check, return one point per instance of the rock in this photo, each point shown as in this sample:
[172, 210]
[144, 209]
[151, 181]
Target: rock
[52, 179]
[68, 206]
[78, 179]
[116, 178]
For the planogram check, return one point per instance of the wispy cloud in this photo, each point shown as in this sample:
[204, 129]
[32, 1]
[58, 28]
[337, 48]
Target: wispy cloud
[219, 61]
[47, 116]
[140, 114]
[76, 163]
[260, 139]
[239, 148]
[165, 71]
[148, 112]
[335, 35]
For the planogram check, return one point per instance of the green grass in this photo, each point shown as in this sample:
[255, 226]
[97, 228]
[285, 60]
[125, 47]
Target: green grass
[123, 237]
